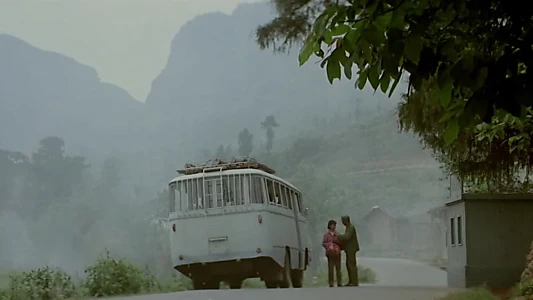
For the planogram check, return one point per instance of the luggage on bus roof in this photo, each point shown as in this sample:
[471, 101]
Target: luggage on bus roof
[218, 164]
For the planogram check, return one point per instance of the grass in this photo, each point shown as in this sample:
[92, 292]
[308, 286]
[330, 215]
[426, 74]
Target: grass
[473, 294]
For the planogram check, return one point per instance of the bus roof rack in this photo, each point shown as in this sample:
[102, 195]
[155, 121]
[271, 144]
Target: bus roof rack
[221, 165]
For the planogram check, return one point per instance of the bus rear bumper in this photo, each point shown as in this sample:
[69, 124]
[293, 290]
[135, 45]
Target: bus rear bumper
[278, 255]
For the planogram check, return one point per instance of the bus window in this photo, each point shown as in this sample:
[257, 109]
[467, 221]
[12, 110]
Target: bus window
[218, 186]
[172, 197]
[209, 193]
[288, 197]
[283, 195]
[270, 191]
[245, 189]
[193, 193]
[227, 184]
[237, 188]
[277, 193]
[257, 190]
[300, 204]
[200, 194]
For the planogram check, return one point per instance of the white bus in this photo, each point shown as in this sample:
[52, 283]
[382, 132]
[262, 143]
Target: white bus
[235, 220]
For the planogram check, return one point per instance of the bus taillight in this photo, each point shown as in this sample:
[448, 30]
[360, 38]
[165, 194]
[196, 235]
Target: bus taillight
[259, 219]
[180, 257]
[174, 227]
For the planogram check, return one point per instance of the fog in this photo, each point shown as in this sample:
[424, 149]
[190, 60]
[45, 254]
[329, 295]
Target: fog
[84, 165]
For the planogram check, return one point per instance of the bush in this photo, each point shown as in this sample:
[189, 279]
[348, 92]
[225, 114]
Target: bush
[474, 294]
[40, 284]
[524, 288]
[177, 283]
[110, 277]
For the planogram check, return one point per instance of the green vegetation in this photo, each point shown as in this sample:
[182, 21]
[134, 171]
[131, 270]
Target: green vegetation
[107, 277]
[477, 51]
[474, 294]
[112, 277]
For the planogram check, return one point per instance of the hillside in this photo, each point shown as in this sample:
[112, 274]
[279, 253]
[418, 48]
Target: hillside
[217, 82]
[44, 93]
[363, 166]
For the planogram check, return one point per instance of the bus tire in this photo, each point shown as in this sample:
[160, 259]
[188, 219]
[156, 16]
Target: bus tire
[271, 284]
[235, 284]
[212, 284]
[297, 277]
[286, 272]
[197, 284]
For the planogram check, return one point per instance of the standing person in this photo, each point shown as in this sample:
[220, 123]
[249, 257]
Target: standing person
[330, 242]
[350, 244]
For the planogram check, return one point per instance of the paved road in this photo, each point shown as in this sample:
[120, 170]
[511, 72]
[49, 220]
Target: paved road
[364, 292]
[403, 272]
[398, 279]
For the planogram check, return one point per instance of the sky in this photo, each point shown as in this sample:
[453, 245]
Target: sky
[126, 41]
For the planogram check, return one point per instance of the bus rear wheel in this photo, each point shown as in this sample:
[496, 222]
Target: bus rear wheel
[271, 284]
[235, 284]
[297, 277]
[286, 275]
[205, 284]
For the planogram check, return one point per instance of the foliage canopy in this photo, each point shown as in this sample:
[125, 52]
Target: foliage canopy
[494, 157]
[478, 51]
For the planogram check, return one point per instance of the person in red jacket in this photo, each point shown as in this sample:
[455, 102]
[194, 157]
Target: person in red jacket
[330, 242]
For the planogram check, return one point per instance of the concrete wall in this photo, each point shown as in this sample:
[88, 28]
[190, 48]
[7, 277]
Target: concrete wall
[457, 259]
[499, 232]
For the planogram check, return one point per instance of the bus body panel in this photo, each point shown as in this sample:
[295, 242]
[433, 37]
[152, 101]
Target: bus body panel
[210, 231]
[218, 237]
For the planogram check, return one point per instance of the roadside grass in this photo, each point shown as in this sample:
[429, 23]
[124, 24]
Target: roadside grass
[473, 294]
[109, 277]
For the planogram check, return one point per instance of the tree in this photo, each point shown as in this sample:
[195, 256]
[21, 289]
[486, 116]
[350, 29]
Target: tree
[110, 174]
[54, 175]
[493, 156]
[245, 142]
[12, 165]
[479, 52]
[269, 123]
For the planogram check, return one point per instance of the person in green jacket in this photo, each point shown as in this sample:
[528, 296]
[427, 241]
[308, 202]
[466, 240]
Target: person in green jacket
[350, 245]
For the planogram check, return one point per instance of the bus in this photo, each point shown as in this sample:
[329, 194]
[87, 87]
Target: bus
[235, 220]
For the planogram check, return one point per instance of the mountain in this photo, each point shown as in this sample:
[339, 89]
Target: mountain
[217, 81]
[44, 93]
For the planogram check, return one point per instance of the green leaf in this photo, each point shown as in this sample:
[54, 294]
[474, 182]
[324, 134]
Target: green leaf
[341, 29]
[413, 47]
[373, 76]
[348, 66]
[333, 70]
[445, 94]
[448, 115]
[452, 132]
[306, 51]
[384, 82]
[354, 34]
[374, 35]
[398, 19]
[320, 23]
[361, 81]
[395, 84]
[328, 37]
[383, 21]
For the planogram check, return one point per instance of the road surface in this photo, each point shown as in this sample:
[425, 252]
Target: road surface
[363, 292]
[398, 279]
[404, 272]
